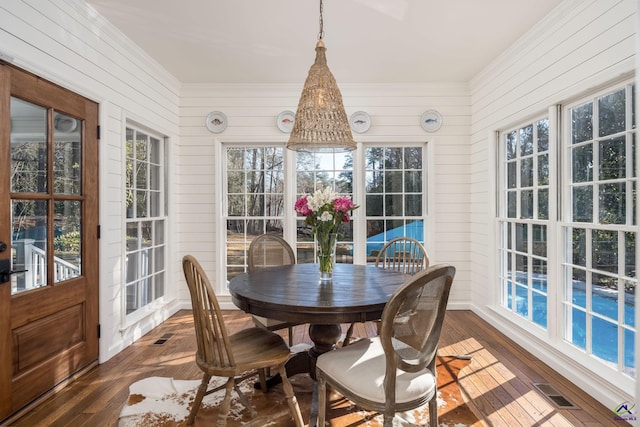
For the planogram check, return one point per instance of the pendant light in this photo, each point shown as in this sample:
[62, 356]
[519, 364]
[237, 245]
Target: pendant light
[321, 123]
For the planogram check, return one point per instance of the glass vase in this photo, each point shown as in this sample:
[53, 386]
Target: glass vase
[326, 254]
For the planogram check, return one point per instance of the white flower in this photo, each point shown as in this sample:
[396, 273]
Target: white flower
[326, 216]
[320, 198]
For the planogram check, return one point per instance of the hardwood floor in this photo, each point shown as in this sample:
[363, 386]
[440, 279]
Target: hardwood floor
[497, 384]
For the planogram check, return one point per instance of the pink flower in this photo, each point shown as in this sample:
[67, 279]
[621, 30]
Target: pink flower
[301, 207]
[343, 204]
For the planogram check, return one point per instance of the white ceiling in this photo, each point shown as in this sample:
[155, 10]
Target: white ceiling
[368, 41]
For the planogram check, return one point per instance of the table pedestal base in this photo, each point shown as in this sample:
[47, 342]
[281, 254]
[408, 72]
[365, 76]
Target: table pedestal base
[325, 338]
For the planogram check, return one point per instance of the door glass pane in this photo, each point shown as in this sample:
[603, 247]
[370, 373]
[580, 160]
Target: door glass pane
[28, 244]
[28, 147]
[67, 156]
[67, 239]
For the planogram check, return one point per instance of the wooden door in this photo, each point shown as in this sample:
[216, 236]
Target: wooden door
[48, 236]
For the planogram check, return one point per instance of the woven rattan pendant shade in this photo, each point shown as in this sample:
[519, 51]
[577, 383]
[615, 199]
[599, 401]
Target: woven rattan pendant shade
[321, 124]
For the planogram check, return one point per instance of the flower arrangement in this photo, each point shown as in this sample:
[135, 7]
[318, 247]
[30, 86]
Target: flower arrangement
[324, 211]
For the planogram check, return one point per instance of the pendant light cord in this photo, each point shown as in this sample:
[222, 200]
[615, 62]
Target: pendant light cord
[321, 33]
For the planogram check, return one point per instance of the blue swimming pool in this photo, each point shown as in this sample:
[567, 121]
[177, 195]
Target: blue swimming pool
[604, 302]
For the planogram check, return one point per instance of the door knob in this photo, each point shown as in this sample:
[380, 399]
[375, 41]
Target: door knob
[5, 275]
[5, 270]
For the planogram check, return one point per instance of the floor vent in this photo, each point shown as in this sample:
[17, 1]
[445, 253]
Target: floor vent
[555, 396]
[163, 339]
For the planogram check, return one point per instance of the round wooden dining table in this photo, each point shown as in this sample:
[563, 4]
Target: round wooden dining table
[294, 293]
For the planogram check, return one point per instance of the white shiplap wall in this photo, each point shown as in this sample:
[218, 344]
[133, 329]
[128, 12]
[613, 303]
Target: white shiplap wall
[67, 42]
[581, 45]
[395, 111]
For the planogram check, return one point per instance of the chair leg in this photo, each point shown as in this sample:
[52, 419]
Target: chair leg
[262, 374]
[347, 336]
[202, 389]
[322, 400]
[433, 410]
[245, 401]
[290, 336]
[291, 398]
[225, 405]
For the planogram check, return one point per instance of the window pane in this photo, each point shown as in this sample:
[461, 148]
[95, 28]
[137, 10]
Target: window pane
[522, 237]
[374, 205]
[582, 123]
[543, 169]
[526, 204]
[512, 204]
[630, 254]
[510, 145]
[611, 113]
[393, 205]
[604, 339]
[512, 180]
[393, 158]
[67, 241]
[582, 163]
[29, 244]
[543, 135]
[604, 296]
[613, 203]
[539, 240]
[526, 140]
[393, 182]
[67, 155]
[235, 205]
[413, 182]
[612, 158]
[413, 204]
[526, 172]
[28, 147]
[543, 204]
[604, 255]
[413, 157]
[579, 242]
[582, 204]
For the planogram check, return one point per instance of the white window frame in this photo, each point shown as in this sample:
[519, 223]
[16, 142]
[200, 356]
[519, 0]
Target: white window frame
[144, 310]
[552, 339]
[289, 218]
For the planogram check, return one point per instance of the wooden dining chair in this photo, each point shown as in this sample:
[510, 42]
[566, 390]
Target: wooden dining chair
[270, 250]
[238, 356]
[396, 370]
[403, 254]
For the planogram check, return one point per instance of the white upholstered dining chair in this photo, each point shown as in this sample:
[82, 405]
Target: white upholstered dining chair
[403, 254]
[396, 370]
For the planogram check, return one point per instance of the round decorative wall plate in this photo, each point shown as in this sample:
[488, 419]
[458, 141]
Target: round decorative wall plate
[431, 120]
[216, 122]
[360, 122]
[285, 121]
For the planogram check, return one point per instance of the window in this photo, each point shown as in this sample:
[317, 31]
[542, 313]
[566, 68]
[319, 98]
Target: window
[393, 203]
[593, 278]
[524, 217]
[146, 219]
[394, 195]
[254, 194]
[318, 171]
[600, 228]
